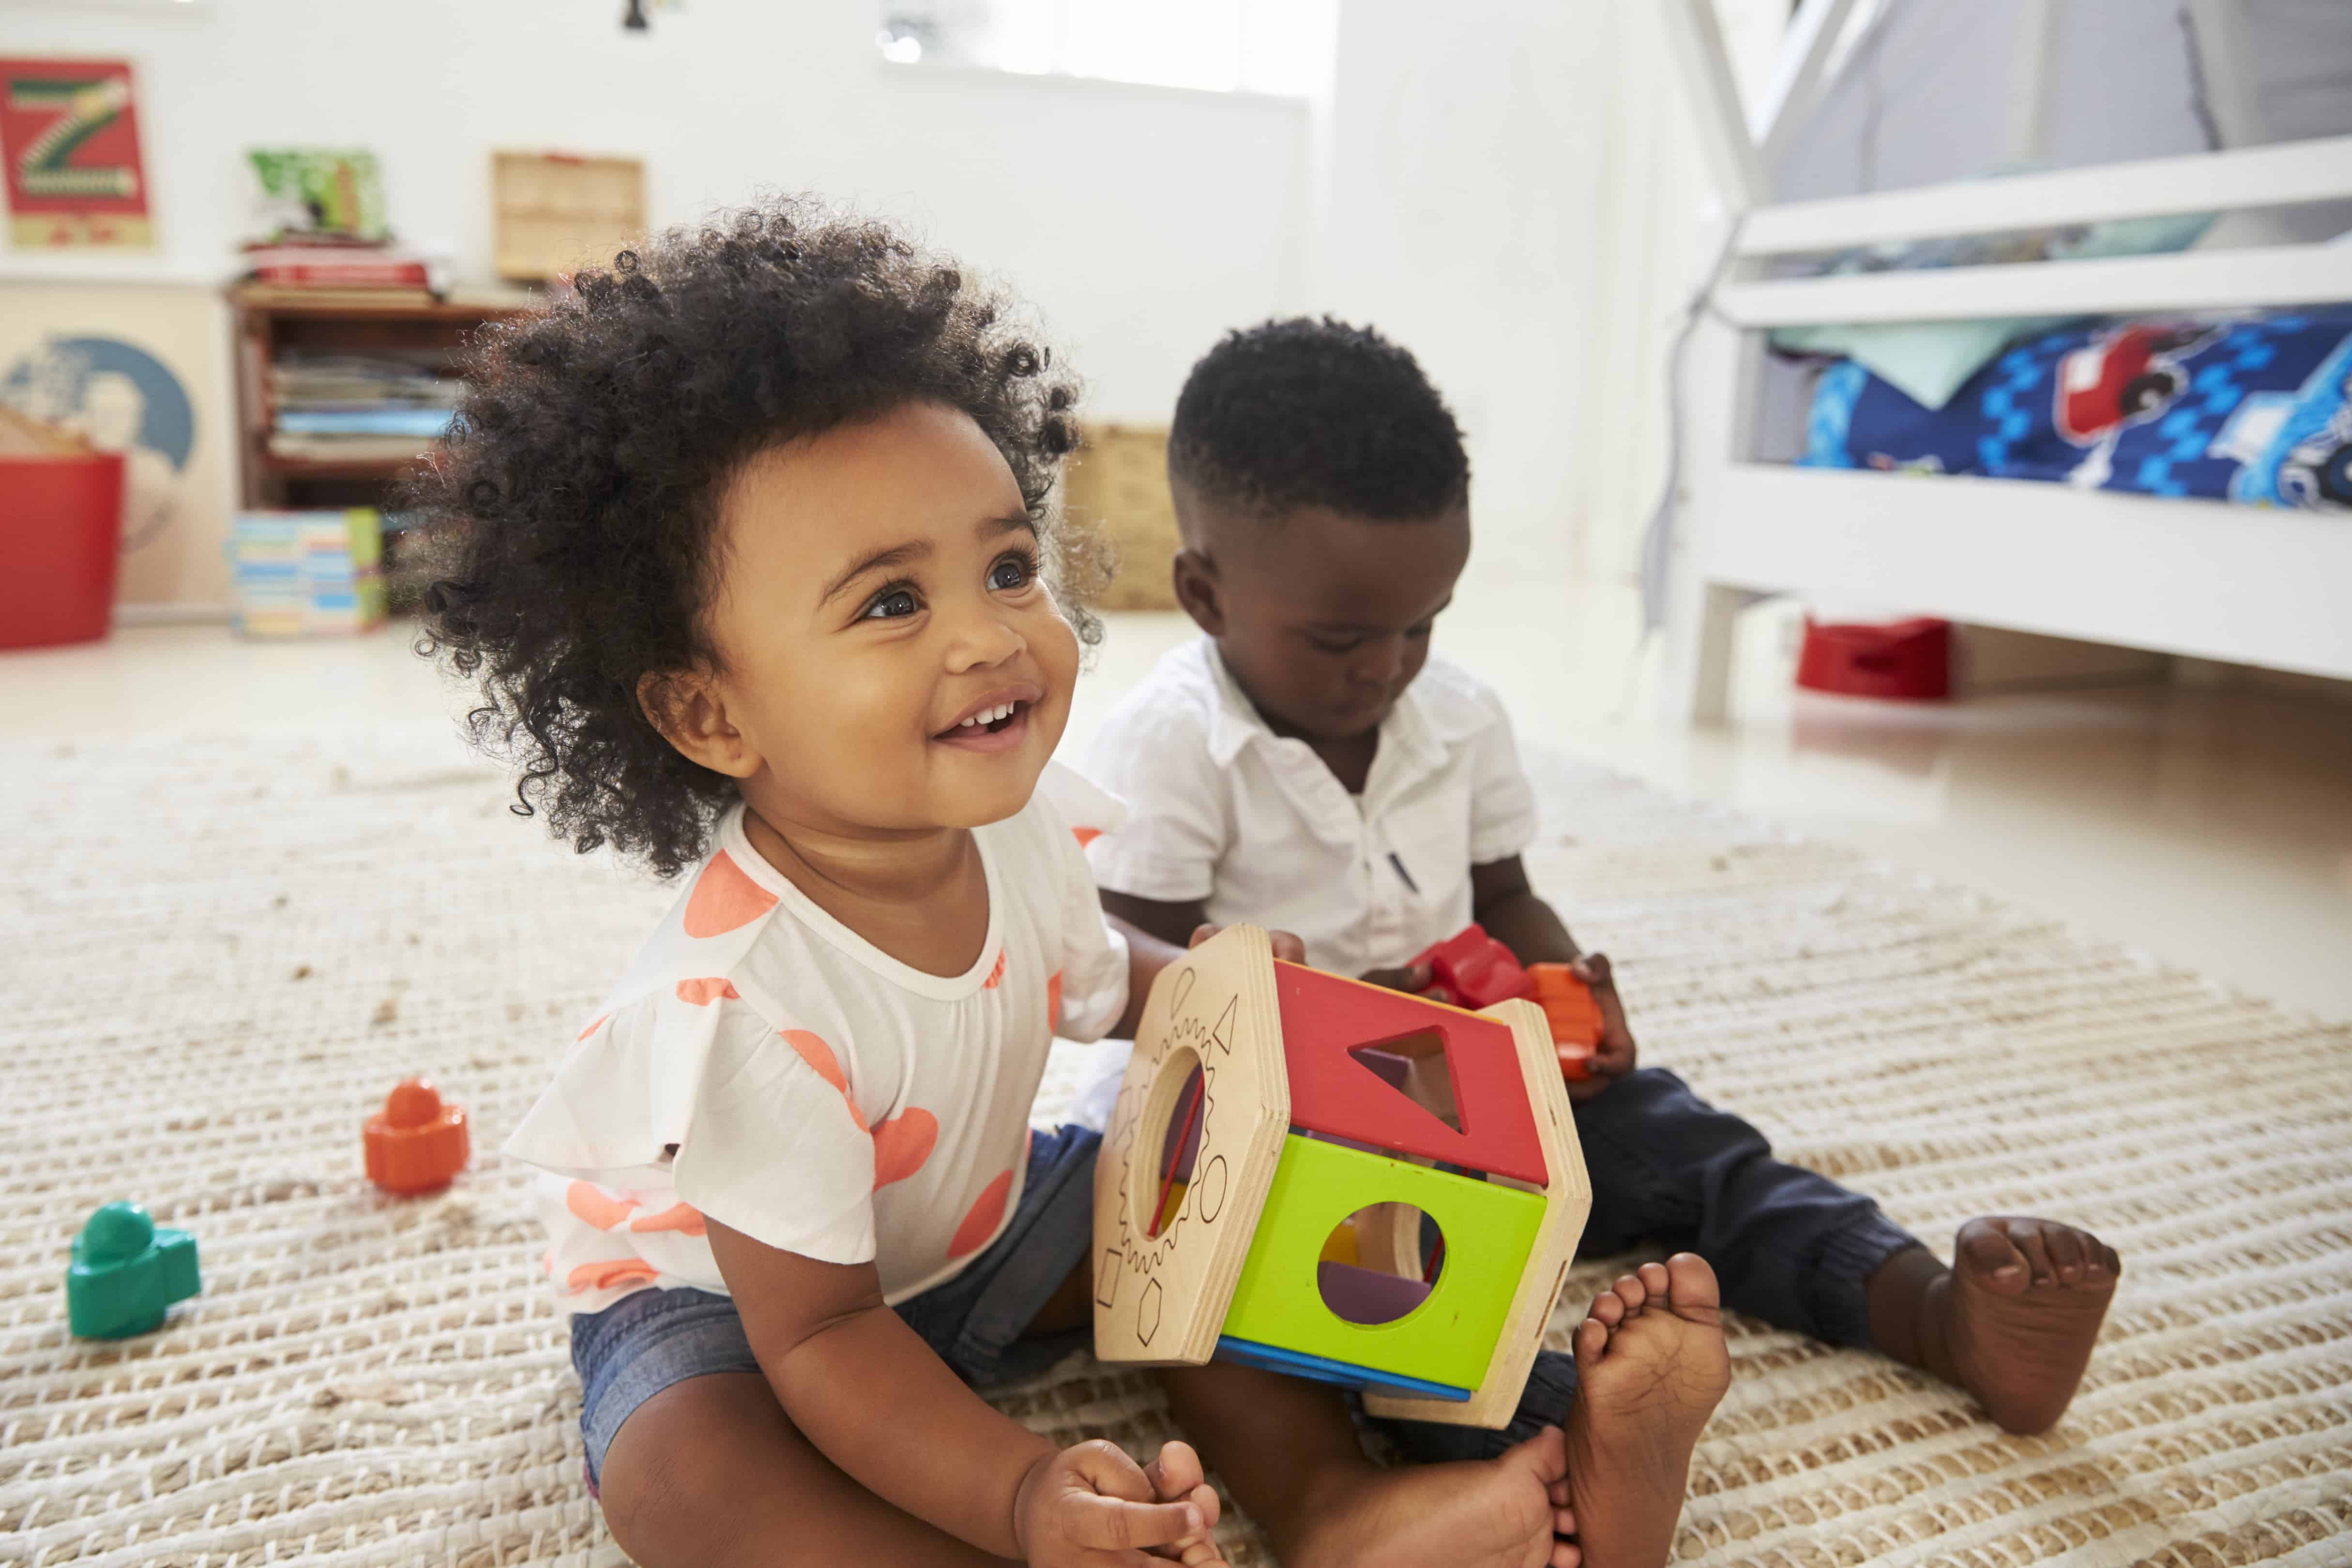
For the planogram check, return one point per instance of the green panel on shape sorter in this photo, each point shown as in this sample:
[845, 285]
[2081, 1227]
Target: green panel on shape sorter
[1449, 1338]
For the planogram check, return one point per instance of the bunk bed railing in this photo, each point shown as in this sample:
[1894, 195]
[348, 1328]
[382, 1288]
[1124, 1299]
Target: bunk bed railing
[2188, 281]
[2287, 174]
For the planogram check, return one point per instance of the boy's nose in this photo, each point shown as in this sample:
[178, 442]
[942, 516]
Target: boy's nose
[1380, 661]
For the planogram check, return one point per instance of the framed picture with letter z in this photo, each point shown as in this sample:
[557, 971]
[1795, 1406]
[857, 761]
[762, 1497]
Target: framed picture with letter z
[70, 135]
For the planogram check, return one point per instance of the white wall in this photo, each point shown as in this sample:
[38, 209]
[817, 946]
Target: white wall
[1140, 222]
[1458, 217]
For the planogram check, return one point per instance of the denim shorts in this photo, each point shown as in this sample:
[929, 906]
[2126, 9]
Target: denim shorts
[649, 1340]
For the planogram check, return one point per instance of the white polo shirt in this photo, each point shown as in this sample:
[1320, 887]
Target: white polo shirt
[1221, 809]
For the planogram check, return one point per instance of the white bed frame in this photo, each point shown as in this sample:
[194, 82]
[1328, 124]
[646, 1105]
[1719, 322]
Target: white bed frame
[2206, 579]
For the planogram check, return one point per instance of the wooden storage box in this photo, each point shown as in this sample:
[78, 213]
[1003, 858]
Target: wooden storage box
[557, 212]
[1118, 484]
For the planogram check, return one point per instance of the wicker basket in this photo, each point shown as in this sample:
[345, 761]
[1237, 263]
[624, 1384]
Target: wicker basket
[1118, 485]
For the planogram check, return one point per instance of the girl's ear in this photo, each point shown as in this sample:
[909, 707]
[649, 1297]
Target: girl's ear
[689, 710]
[1198, 591]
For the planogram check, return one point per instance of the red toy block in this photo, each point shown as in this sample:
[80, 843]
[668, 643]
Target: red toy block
[1574, 1015]
[418, 1144]
[1326, 1019]
[1479, 970]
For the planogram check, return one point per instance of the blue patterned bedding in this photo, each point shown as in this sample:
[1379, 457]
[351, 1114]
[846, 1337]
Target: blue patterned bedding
[2250, 408]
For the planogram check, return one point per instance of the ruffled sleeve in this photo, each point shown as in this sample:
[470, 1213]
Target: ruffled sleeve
[766, 1135]
[1093, 962]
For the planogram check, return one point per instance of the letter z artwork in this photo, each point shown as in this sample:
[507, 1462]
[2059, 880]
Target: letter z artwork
[70, 138]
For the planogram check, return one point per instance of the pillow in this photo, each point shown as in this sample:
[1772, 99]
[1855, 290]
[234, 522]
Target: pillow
[1929, 361]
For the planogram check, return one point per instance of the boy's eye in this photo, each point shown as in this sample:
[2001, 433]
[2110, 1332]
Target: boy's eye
[890, 604]
[1335, 645]
[1013, 573]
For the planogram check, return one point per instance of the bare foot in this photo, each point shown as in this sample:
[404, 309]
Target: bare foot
[1650, 1367]
[1505, 1513]
[1176, 1476]
[2013, 1320]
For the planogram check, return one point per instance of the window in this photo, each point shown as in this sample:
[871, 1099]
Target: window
[1214, 45]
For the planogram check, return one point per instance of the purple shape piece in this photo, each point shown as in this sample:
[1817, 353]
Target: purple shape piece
[1391, 1069]
[1366, 1295]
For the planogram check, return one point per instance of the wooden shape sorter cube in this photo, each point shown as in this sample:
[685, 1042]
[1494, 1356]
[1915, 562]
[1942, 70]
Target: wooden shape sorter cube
[1336, 1181]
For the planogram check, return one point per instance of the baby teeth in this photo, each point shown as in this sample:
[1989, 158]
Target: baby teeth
[988, 716]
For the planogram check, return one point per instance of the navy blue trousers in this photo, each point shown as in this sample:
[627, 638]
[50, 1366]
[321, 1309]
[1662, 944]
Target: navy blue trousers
[1670, 1171]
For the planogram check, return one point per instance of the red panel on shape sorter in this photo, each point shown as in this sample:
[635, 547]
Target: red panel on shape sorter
[1325, 1016]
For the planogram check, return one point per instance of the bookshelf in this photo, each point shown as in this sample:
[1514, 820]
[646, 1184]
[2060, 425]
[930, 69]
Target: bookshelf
[273, 324]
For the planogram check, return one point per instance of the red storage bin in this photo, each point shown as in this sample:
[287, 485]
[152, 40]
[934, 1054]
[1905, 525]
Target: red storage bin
[1909, 659]
[60, 542]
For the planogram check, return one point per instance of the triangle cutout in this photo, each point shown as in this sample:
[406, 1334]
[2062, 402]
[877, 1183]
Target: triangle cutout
[1415, 1069]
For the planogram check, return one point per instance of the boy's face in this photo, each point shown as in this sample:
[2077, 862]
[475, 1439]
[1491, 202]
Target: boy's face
[1323, 617]
[878, 585]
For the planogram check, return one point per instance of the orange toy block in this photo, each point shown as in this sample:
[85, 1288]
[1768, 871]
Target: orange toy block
[418, 1144]
[1574, 1016]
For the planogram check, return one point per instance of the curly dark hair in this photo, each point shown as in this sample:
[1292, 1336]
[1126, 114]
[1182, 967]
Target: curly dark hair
[1310, 411]
[574, 500]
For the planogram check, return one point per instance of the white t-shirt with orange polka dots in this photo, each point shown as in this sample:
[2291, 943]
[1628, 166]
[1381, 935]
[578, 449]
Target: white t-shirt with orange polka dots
[763, 1065]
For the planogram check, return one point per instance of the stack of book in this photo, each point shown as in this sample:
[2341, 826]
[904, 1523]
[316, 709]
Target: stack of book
[354, 409]
[320, 265]
[307, 573]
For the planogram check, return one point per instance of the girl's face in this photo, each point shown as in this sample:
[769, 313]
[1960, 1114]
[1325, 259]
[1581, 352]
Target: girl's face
[891, 659]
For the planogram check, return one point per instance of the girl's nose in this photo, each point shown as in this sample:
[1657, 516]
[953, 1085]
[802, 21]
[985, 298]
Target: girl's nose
[984, 639]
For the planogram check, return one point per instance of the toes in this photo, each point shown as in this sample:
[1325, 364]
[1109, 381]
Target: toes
[1592, 1339]
[1566, 1554]
[2064, 1244]
[2114, 1261]
[1654, 1280]
[1609, 1308]
[1629, 1289]
[1563, 1522]
[1691, 1286]
[1558, 1492]
[1984, 1250]
[2027, 1238]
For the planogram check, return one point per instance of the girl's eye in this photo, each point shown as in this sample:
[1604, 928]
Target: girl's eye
[890, 604]
[1336, 644]
[1012, 574]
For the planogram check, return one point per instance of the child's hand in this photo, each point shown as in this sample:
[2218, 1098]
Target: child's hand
[1614, 1055]
[1286, 947]
[1412, 977]
[1091, 1507]
[1176, 1476]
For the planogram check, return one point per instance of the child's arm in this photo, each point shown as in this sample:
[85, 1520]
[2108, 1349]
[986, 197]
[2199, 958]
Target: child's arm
[866, 1389]
[1502, 902]
[1171, 924]
[1150, 948]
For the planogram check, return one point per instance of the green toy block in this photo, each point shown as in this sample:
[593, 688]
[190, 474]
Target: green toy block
[126, 1270]
[1489, 1230]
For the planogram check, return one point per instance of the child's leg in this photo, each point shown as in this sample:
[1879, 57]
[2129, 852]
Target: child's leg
[1801, 1252]
[708, 1473]
[1653, 1367]
[1288, 1449]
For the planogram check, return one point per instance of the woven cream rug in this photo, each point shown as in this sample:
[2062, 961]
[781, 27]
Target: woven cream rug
[216, 957]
